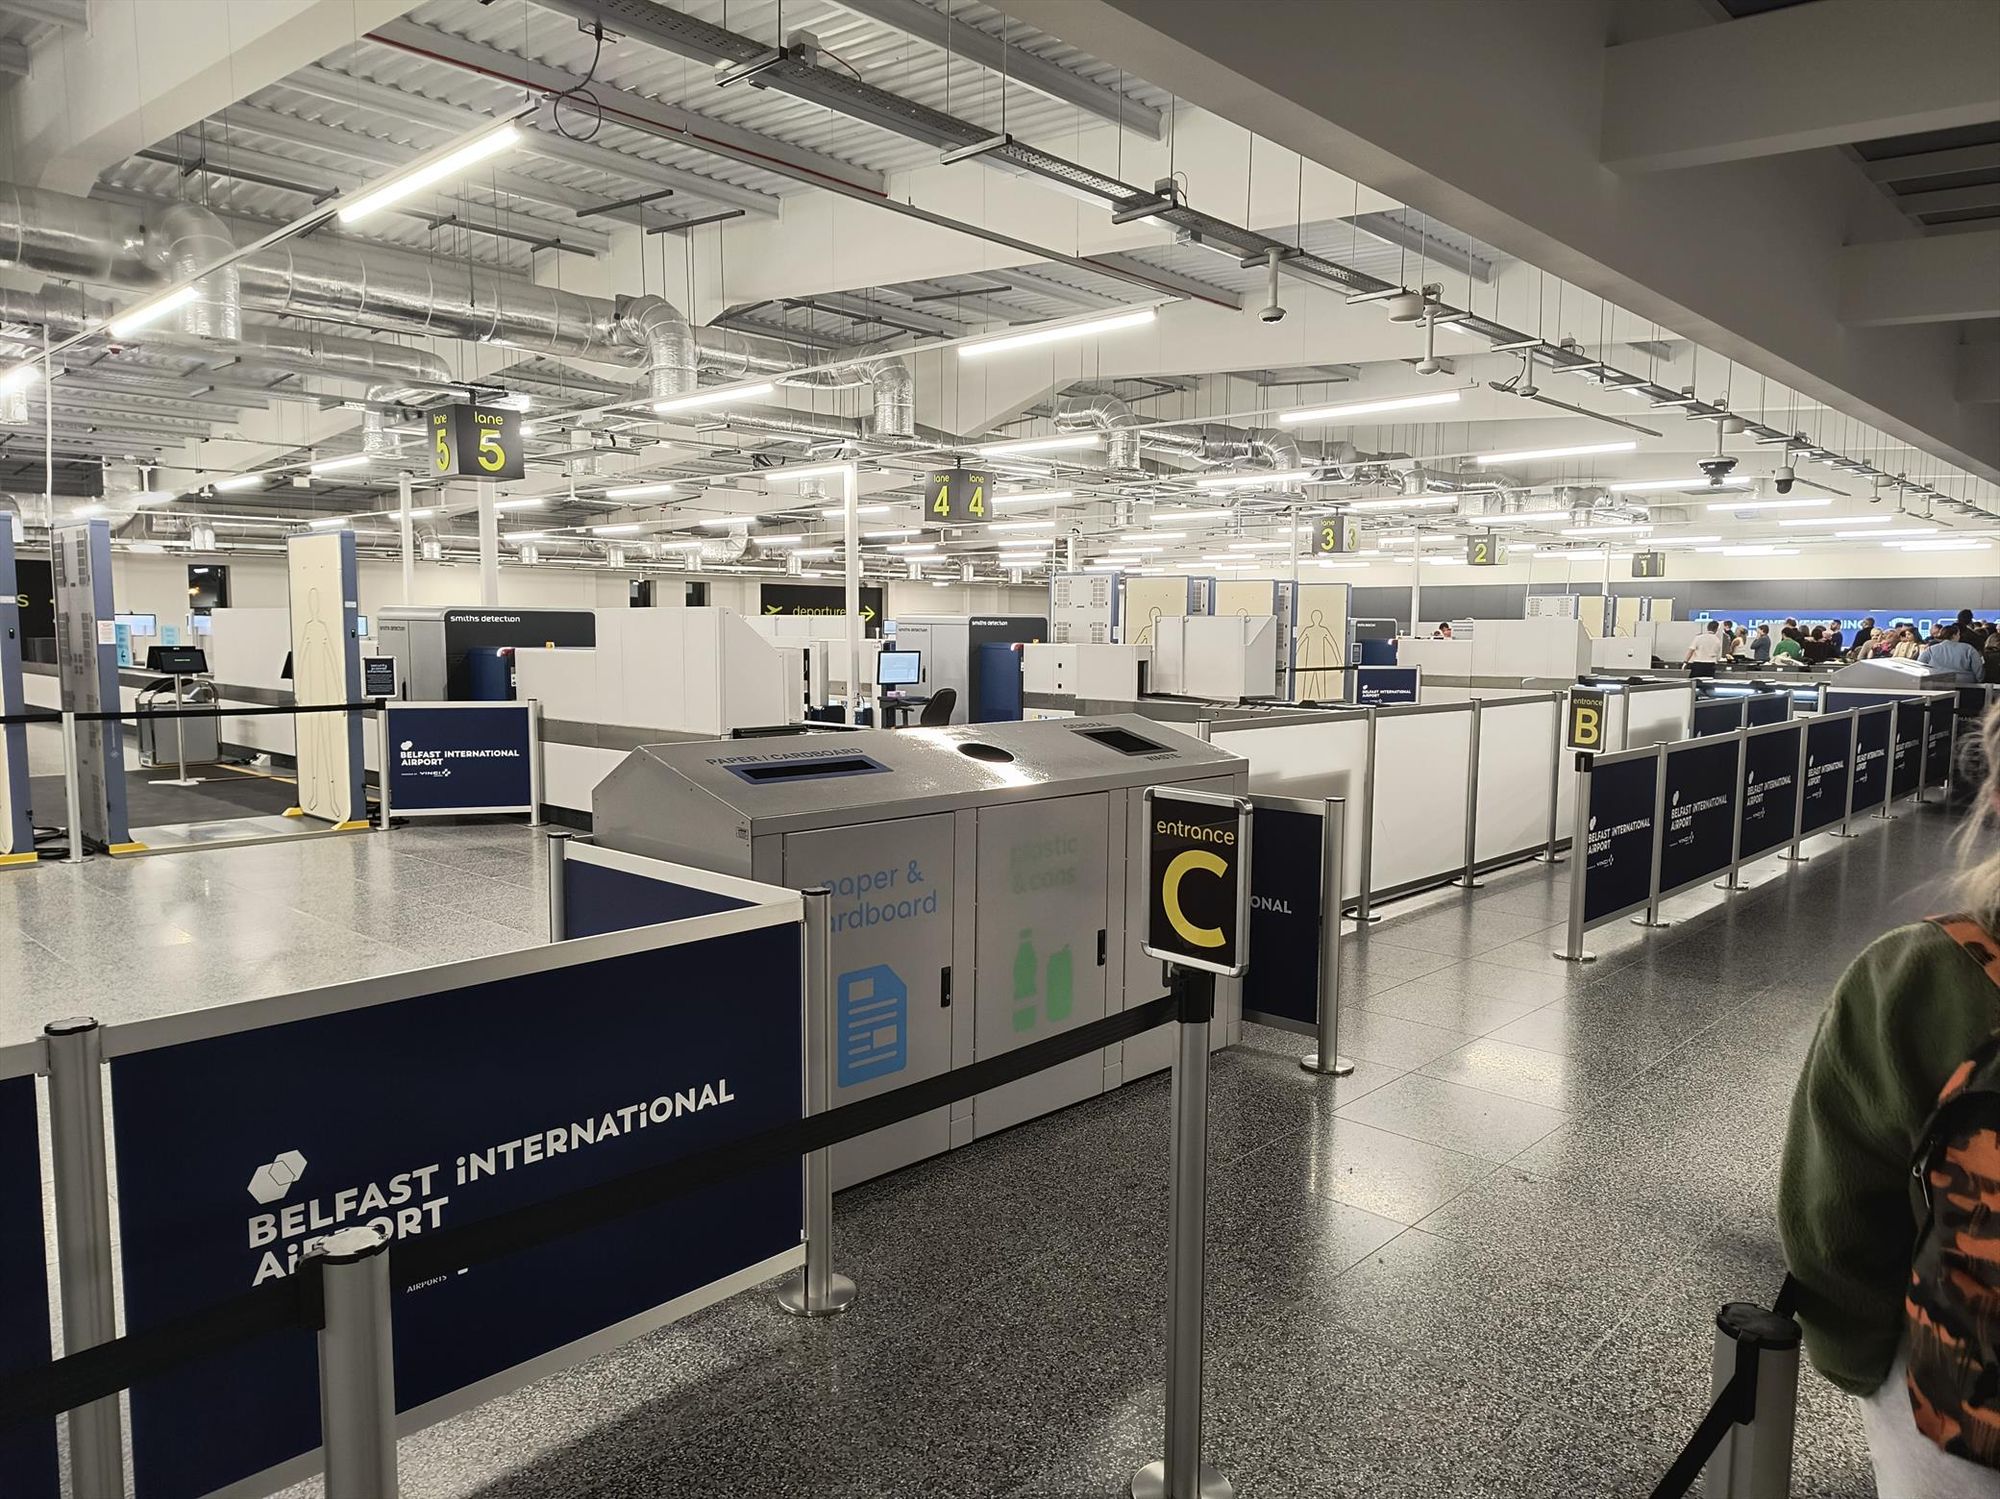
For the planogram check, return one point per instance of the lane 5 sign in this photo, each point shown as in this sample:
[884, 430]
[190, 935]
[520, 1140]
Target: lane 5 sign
[1198, 879]
[958, 494]
[476, 442]
[1586, 719]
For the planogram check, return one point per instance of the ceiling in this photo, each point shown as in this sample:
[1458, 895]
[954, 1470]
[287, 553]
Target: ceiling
[810, 202]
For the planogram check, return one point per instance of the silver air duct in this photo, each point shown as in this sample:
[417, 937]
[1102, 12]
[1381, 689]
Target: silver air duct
[377, 441]
[895, 398]
[186, 238]
[662, 330]
[1106, 414]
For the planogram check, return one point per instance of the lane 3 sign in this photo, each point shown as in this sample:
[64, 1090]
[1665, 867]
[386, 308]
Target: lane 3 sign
[1198, 879]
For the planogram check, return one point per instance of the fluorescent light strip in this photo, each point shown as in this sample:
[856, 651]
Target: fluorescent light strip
[416, 179]
[1879, 535]
[1845, 520]
[618, 530]
[20, 377]
[133, 319]
[240, 481]
[1089, 327]
[779, 541]
[812, 471]
[1750, 551]
[523, 535]
[1521, 518]
[1154, 536]
[912, 548]
[1769, 504]
[1022, 525]
[885, 535]
[1368, 408]
[1039, 445]
[1046, 496]
[526, 503]
[837, 511]
[1260, 546]
[1941, 546]
[1181, 515]
[1027, 543]
[334, 465]
[1661, 486]
[1402, 502]
[1587, 450]
[1680, 541]
[1252, 481]
[329, 522]
[720, 396]
[1606, 530]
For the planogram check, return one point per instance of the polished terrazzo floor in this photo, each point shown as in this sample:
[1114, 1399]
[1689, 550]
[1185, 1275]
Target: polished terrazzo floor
[1484, 1265]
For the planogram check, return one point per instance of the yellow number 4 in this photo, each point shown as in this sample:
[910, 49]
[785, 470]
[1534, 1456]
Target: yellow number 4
[975, 505]
[941, 506]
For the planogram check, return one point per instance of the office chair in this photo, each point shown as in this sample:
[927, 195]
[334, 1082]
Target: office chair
[937, 712]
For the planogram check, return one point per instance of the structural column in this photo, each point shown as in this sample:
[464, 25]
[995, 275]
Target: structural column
[405, 529]
[850, 511]
[489, 542]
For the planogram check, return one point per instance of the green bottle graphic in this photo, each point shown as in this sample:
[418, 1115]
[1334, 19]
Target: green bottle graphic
[1062, 984]
[1024, 982]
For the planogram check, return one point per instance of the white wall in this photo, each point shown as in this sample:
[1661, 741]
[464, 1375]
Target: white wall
[148, 584]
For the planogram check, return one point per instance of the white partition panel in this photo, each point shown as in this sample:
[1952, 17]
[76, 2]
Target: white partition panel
[1311, 760]
[1422, 765]
[1517, 749]
[1658, 715]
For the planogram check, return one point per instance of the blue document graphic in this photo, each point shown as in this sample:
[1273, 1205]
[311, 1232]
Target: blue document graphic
[872, 1025]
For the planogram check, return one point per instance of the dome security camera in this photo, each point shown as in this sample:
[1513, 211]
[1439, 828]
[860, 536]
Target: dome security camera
[1785, 479]
[1717, 468]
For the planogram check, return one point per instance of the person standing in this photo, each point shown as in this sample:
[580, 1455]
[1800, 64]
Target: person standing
[1889, 1157]
[1862, 637]
[1760, 645]
[1706, 650]
[1948, 653]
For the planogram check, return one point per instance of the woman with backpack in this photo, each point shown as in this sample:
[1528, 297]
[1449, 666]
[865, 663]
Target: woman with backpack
[1889, 1199]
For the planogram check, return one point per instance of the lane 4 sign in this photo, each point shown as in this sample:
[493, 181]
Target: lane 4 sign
[956, 495]
[476, 442]
[1198, 879]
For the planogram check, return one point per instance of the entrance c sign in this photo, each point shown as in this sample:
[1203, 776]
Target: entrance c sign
[1198, 879]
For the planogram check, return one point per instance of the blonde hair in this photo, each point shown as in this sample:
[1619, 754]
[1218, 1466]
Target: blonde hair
[1979, 840]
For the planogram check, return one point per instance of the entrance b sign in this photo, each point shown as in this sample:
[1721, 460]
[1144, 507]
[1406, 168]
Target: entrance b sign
[1198, 879]
[1586, 719]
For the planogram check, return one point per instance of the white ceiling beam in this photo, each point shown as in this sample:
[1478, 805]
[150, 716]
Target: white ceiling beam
[669, 122]
[1012, 63]
[1918, 280]
[1827, 74]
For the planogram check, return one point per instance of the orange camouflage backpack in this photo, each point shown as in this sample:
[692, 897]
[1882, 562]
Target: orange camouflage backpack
[1952, 1311]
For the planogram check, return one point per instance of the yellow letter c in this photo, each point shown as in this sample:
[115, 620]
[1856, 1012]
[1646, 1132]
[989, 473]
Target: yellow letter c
[1170, 894]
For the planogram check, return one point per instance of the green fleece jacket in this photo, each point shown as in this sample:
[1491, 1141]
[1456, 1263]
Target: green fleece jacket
[1910, 1009]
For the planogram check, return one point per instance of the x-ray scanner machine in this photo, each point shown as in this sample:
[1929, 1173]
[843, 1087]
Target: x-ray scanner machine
[986, 885]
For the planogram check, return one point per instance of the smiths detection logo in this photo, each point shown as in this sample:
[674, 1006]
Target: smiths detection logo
[272, 1182]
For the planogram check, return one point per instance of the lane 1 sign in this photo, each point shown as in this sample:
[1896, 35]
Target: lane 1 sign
[1198, 879]
[476, 442]
[959, 495]
[1649, 564]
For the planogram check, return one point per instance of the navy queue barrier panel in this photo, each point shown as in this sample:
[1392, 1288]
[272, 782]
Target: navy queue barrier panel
[27, 1450]
[460, 759]
[1661, 819]
[430, 1100]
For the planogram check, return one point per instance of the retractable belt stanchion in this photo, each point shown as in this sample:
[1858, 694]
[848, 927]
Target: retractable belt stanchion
[382, 812]
[816, 1290]
[1754, 1458]
[1181, 1474]
[1792, 855]
[1363, 909]
[1549, 855]
[1853, 749]
[75, 1050]
[1579, 846]
[357, 1376]
[1467, 879]
[72, 788]
[1733, 881]
[1651, 915]
[1325, 1058]
[558, 850]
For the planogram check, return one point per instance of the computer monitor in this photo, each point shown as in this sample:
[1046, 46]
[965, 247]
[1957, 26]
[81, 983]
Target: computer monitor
[899, 668]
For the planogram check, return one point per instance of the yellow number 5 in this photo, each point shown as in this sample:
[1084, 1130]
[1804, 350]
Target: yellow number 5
[491, 456]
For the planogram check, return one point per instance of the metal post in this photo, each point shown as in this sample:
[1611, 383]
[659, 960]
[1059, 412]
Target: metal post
[1754, 1459]
[1467, 877]
[1579, 847]
[1363, 909]
[405, 536]
[1549, 855]
[1734, 880]
[72, 788]
[180, 735]
[557, 848]
[535, 818]
[817, 1291]
[488, 493]
[1325, 1058]
[1182, 1474]
[1923, 754]
[357, 1376]
[1889, 775]
[850, 541]
[1792, 854]
[1651, 915]
[75, 1050]
[1853, 749]
[382, 767]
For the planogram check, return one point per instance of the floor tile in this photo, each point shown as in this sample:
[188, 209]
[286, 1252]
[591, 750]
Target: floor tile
[1489, 1125]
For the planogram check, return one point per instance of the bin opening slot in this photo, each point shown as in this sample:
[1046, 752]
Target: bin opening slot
[1123, 740]
[812, 768]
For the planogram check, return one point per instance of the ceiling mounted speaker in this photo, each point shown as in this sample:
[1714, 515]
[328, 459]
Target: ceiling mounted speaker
[1406, 307]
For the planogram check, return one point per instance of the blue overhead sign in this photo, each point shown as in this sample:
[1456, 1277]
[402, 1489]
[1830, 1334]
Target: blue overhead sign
[432, 1111]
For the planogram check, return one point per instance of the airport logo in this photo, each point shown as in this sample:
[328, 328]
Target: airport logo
[409, 744]
[270, 1183]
